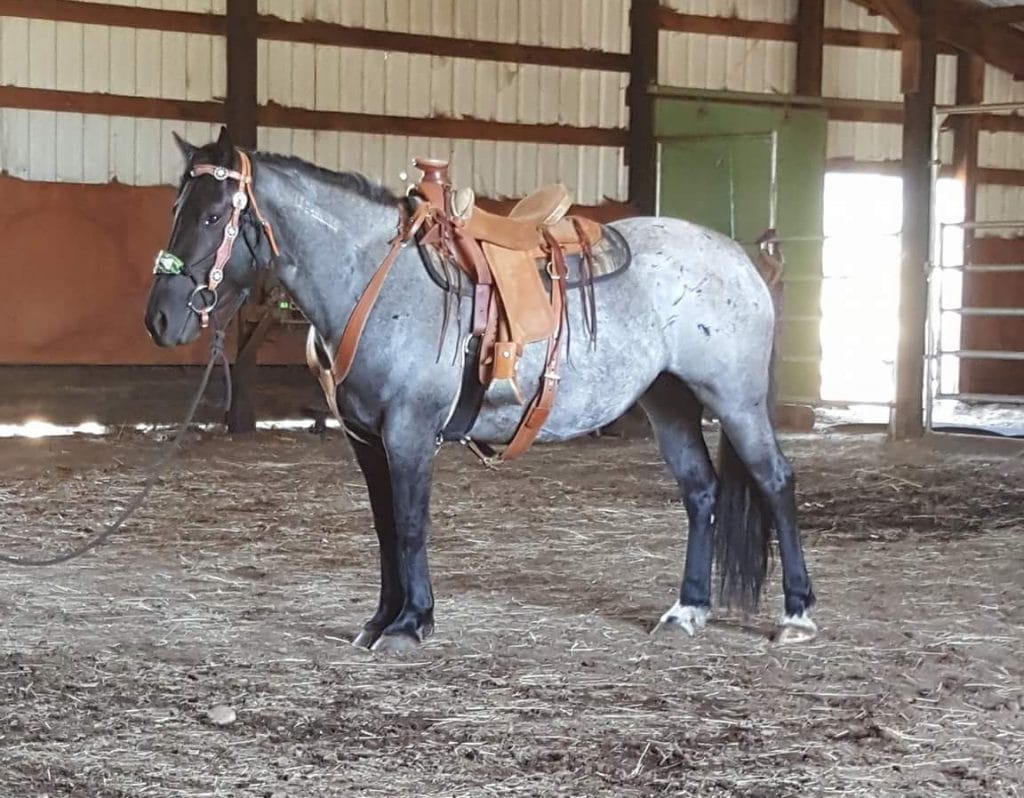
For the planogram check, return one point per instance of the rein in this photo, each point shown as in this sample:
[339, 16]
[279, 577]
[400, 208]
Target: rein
[217, 355]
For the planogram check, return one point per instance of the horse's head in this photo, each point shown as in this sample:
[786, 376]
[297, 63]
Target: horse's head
[202, 272]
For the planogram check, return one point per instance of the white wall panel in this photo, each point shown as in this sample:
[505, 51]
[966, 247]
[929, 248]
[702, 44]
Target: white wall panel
[726, 63]
[860, 73]
[343, 79]
[762, 10]
[198, 6]
[1001, 150]
[83, 148]
[599, 24]
[1001, 204]
[848, 15]
[865, 141]
[493, 169]
[64, 55]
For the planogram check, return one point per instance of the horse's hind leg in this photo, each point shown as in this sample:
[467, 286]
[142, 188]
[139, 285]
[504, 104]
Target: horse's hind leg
[750, 434]
[675, 415]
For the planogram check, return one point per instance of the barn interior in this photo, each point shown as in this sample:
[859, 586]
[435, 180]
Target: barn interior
[882, 141]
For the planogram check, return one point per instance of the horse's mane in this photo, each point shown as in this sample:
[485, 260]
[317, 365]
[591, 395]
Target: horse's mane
[350, 181]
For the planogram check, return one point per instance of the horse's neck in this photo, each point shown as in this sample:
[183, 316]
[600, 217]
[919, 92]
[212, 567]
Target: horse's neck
[331, 241]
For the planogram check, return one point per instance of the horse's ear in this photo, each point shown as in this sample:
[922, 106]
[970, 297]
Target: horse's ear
[188, 150]
[224, 144]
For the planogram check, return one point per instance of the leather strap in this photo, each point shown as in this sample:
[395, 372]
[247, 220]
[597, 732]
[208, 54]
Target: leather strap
[540, 408]
[349, 342]
[239, 201]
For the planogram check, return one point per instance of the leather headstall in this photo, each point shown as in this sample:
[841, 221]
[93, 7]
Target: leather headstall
[168, 263]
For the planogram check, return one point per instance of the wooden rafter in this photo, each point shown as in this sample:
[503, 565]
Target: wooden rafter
[1002, 15]
[967, 26]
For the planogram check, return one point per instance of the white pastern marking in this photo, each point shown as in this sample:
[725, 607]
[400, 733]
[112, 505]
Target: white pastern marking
[796, 629]
[686, 617]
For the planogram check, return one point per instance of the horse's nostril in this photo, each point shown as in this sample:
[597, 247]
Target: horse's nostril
[158, 324]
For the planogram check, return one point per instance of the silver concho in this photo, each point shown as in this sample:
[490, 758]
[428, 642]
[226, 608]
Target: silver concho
[220, 173]
[240, 200]
[231, 231]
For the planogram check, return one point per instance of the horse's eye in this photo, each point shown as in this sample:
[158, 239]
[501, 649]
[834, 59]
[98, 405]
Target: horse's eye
[213, 218]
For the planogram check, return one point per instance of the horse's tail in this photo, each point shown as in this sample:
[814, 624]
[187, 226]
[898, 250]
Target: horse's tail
[742, 524]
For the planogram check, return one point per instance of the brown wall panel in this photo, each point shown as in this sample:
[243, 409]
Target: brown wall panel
[76, 265]
[995, 333]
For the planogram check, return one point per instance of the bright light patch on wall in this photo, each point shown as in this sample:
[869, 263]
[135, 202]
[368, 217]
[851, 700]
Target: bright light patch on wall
[860, 290]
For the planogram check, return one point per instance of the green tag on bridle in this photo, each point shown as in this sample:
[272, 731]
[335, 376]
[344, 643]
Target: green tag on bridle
[168, 263]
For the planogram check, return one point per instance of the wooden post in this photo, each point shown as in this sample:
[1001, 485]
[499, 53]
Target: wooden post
[906, 420]
[810, 42]
[642, 151]
[970, 90]
[240, 108]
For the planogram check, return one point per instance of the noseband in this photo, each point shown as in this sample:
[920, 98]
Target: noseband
[169, 263]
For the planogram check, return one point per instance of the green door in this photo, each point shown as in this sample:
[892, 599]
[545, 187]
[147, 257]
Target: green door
[741, 169]
[730, 182]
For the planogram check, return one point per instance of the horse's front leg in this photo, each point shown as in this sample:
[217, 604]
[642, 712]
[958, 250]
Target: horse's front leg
[373, 462]
[410, 459]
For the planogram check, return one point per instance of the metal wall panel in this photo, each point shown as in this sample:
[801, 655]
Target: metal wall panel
[48, 146]
[761, 10]
[86, 148]
[601, 24]
[494, 169]
[844, 14]
[726, 63]
[1001, 204]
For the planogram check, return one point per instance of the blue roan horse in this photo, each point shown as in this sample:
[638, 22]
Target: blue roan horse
[688, 326]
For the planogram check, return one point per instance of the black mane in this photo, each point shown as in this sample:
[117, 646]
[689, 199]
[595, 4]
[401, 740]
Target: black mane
[350, 181]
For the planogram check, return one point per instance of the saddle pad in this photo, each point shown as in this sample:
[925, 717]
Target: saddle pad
[611, 256]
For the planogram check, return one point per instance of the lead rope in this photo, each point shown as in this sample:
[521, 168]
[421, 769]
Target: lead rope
[217, 355]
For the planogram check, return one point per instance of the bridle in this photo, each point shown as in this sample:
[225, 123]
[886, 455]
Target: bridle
[170, 264]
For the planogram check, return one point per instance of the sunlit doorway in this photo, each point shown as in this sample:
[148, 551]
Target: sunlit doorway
[863, 217]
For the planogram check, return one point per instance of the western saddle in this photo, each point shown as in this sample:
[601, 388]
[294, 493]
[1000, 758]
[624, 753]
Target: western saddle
[502, 255]
[511, 306]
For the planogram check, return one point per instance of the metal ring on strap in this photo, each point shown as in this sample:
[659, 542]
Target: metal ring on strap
[202, 311]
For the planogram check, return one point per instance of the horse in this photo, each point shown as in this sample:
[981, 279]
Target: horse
[689, 327]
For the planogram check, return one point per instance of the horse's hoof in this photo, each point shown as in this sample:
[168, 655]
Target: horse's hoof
[796, 629]
[683, 616]
[365, 639]
[395, 643]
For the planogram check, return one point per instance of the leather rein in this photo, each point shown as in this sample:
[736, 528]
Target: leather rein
[169, 263]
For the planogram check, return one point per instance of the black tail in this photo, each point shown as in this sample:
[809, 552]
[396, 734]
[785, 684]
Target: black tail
[742, 532]
[743, 527]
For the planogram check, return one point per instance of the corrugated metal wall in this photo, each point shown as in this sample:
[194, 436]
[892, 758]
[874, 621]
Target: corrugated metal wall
[42, 145]
[74, 147]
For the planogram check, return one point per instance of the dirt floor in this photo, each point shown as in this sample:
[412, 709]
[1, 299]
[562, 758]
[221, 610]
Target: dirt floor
[254, 564]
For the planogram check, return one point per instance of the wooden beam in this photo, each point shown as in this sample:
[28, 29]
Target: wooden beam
[901, 13]
[1001, 15]
[907, 417]
[117, 16]
[327, 33]
[110, 104]
[810, 47]
[241, 104]
[642, 150]
[240, 109]
[970, 90]
[275, 115]
[680, 22]
[960, 25]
